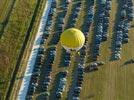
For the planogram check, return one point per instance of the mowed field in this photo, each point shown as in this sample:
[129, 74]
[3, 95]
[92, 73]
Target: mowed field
[114, 81]
[15, 29]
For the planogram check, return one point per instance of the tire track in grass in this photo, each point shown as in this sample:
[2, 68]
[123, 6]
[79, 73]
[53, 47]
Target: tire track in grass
[5, 22]
[3, 7]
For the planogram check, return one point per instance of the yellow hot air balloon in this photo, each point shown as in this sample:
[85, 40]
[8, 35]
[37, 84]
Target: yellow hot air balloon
[72, 39]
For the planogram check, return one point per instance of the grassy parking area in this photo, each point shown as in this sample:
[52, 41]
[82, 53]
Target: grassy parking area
[113, 81]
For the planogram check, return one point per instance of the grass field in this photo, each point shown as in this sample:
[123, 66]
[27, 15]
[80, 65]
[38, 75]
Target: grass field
[25, 57]
[114, 81]
[12, 38]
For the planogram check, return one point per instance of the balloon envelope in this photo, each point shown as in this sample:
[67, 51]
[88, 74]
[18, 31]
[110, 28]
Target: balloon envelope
[72, 39]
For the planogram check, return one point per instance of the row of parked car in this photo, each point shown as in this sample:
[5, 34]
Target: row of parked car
[94, 66]
[74, 15]
[107, 9]
[80, 69]
[36, 73]
[66, 55]
[79, 74]
[129, 9]
[59, 24]
[122, 30]
[61, 84]
[49, 23]
[48, 62]
[88, 18]
[66, 59]
[51, 54]
[79, 81]
[34, 82]
[101, 27]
